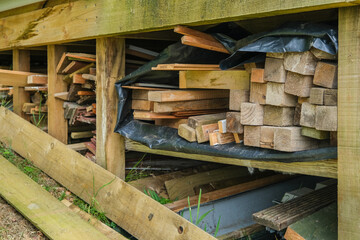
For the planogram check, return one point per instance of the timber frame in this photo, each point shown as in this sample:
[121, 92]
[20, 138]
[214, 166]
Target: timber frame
[110, 22]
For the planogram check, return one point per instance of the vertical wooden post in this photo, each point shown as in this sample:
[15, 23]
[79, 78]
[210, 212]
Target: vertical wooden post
[110, 66]
[21, 62]
[57, 124]
[349, 123]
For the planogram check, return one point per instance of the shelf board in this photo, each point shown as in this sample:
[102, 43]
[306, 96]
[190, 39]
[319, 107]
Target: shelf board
[322, 168]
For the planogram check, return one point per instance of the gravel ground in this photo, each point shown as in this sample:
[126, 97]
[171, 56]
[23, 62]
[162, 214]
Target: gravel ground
[14, 226]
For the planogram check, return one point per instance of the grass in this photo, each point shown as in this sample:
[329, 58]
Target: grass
[156, 197]
[135, 174]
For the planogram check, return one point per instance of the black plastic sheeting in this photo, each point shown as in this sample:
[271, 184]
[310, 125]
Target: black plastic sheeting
[294, 37]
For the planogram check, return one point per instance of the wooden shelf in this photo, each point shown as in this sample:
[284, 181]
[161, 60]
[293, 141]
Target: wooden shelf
[323, 168]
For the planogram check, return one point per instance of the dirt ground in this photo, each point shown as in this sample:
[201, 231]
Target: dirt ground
[14, 226]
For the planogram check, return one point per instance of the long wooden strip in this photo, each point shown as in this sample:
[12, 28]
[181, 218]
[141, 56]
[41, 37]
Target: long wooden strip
[204, 43]
[144, 115]
[14, 78]
[281, 216]
[129, 208]
[192, 32]
[43, 210]
[179, 95]
[163, 107]
[226, 192]
[237, 79]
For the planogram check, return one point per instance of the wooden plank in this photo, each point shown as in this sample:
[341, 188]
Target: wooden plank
[36, 204]
[313, 133]
[173, 123]
[289, 139]
[278, 116]
[257, 75]
[222, 126]
[317, 96]
[183, 187]
[139, 94]
[226, 192]
[298, 85]
[145, 88]
[191, 32]
[57, 125]
[267, 137]
[81, 177]
[179, 95]
[36, 89]
[274, 70]
[217, 138]
[276, 96]
[37, 80]
[204, 43]
[302, 63]
[349, 123]
[142, 105]
[252, 114]
[330, 97]
[14, 78]
[21, 62]
[326, 118]
[233, 122]
[252, 136]
[187, 66]
[237, 97]
[322, 55]
[77, 146]
[163, 107]
[282, 215]
[85, 57]
[73, 66]
[109, 232]
[78, 79]
[110, 66]
[237, 79]
[144, 115]
[257, 93]
[78, 135]
[89, 76]
[326, 75]
[69, 78]
[325, 168]
[102, 20]
[186, 132]
[202, 132]
[62, 96]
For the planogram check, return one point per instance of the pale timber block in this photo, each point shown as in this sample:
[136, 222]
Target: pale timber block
[142, 105]
[222, 126]
[235, 79]
[298, 85]
[257, 75]
[303, 63]
[196, 121]
[326, 75]
[313, 133]
[274, 70]
[252, 114]
[202, 132]
[28, 106]
[187, 133]
[257, 93]
[233, 122]
[297, 114]
[252, 136]
[37, 79]
[217, 138]
[317, 96]
[307, 116]
[278, 116]
[250, 66]
[289, 139]
[322, 55]
[237, 97]
[78, 135]
[187, 95]
[330, 97]
[267, 137]
[238, 137]
[275, 55]
[326, 118]
[276, 95]
[140, 94]
[163, 107]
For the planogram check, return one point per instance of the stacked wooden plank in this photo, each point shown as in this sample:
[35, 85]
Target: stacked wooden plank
[286, 111]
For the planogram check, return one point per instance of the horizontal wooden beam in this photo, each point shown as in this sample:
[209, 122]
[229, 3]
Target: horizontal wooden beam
[86, 19]
[15, 78]
[43, 210]
[323, 168]
[130, 208]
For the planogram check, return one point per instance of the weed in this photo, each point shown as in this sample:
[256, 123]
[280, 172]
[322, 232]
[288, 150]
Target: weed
[199, 219]
[38, 120]
[156, 197]
[62, 196]
[134, 174]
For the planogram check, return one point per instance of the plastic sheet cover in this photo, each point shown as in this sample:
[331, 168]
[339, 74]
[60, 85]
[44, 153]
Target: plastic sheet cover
[294, 37]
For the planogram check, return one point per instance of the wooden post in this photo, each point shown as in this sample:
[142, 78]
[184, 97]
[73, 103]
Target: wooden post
[57, 124]
[110, 66]
[21, 62]
[349, 123]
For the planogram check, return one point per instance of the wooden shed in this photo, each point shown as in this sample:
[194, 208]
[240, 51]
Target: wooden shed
[57, 26]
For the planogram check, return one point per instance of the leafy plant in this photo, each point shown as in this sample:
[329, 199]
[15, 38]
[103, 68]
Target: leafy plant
[38, 120]
[156, 197]
[134, 174]
[200, 218]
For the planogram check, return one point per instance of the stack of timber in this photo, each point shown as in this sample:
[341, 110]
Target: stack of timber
[292, 105]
